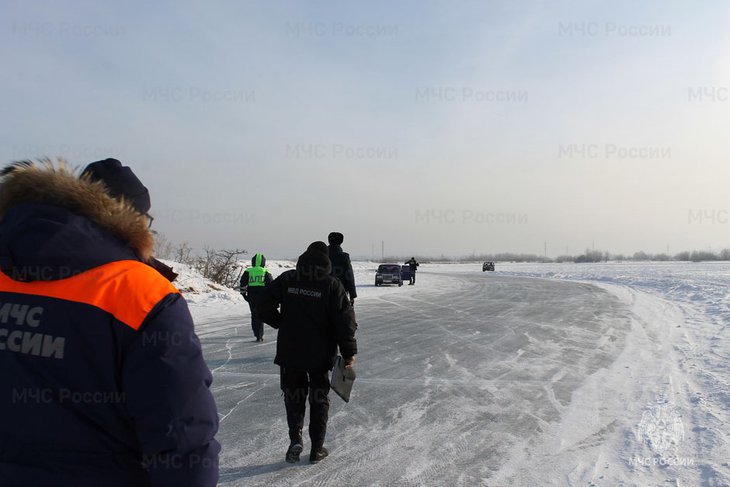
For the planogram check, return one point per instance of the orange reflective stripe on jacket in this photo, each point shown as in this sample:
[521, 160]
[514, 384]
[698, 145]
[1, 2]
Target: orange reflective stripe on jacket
[126, 289]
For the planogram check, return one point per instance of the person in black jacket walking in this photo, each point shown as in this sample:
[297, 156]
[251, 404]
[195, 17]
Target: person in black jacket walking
[341, 265]
[315, 318]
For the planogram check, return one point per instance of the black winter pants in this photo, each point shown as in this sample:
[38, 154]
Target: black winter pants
[297, 384]
[257, 325]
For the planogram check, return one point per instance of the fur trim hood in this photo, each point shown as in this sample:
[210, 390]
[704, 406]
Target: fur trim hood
[59, 185]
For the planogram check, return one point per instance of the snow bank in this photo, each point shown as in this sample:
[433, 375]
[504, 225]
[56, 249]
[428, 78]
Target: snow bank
[703, 286]
[684, 392]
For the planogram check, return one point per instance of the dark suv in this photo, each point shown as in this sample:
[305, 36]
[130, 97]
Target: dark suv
[488, 266]
[388, 274]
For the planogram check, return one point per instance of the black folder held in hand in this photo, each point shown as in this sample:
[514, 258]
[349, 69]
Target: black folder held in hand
[342, 379]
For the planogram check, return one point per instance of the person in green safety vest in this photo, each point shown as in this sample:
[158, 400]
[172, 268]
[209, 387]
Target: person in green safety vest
[253, 282]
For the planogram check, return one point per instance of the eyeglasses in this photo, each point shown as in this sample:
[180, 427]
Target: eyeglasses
[150, 218]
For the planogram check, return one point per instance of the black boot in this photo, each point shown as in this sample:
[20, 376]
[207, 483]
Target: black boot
[318, 454]
[295, 447]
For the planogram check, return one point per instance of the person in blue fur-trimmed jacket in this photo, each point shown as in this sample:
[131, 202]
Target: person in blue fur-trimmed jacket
[103, 380]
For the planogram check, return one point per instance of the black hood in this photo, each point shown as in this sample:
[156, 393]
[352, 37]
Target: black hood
[314, 263]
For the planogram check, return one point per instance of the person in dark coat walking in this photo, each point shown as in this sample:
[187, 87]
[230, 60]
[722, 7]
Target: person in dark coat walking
[414, 266]
[341, 265]
[103, 379]
[315, 319]
[253, 284]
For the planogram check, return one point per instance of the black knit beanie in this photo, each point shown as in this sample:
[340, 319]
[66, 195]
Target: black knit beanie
[335, 238]
[121, 182]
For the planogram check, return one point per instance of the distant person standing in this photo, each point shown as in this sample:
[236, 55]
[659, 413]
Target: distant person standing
[414, 266]
[341, 265]
[253, 283]
[315, 319]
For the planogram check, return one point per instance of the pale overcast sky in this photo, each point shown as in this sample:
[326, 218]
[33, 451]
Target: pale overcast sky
[436, 127]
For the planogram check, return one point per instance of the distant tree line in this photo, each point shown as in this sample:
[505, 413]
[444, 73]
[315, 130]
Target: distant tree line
[223, 267]
[509, 257]
[641, 256]
[603, 256]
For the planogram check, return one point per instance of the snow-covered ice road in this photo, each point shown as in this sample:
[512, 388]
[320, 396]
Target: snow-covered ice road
[596, 376]
[471, 383]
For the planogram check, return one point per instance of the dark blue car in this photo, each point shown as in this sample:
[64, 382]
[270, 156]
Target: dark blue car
[388, 274]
